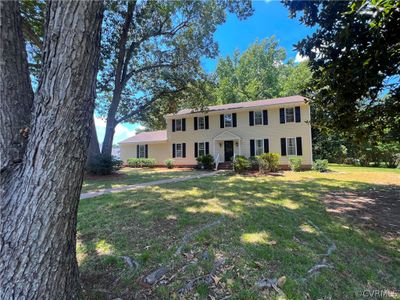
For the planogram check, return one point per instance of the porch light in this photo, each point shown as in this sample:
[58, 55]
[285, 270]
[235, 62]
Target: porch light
[220, 144]
[237, 144]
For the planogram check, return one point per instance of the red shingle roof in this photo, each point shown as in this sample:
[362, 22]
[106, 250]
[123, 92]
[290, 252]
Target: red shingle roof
[267, 102]
[151, 136]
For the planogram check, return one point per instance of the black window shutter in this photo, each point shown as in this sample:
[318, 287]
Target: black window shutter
[282, 115]
[207, 148]
[173, 125]
[252, 148]
[234, 121]
[221, 121]
[183, 149]
[173, 150]
[146, 151]
[195, 123]
[297, 114]
[251, 118]
[196, 145]
[299, 146]
[265, 117]
[283, 146]
[183, 124]
[206, 121]
[137, 151]
[266, 146]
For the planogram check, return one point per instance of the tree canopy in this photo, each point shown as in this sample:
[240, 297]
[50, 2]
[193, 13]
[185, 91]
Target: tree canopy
[152, 50]
[355, 58]
[260, 72]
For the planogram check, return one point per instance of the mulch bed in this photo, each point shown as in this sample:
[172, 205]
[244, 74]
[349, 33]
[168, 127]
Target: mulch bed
[378, 210]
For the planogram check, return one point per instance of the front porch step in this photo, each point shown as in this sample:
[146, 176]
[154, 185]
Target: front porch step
[225, 165]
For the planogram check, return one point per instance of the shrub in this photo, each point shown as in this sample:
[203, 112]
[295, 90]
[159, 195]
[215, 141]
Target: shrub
[141, 162]
[254, 165]
[205, 161]
[295, 164]
[241, 164]
[169, 163]
[104, 165]
[352, 161]
[320, 165]
[268, 162]
[390, 153]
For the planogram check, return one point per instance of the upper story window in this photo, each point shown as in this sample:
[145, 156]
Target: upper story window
[179, 124]
[290, 115]
[228, 120]
[258, 117]
[201, 123]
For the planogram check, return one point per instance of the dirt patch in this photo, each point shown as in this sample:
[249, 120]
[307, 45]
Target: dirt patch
[378, 210]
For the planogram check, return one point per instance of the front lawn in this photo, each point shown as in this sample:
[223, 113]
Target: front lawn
[238, 230]
[128, 176]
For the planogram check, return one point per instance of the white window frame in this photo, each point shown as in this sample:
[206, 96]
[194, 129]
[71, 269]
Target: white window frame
[142, 148]
[225, 121]
[256, 148]
[295, 146]
[262, 117]
[198, 148]
[179, 152]
[286, 114]
[176, 124]
[198, 123]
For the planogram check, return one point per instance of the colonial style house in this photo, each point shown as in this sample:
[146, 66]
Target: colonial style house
[249, 128]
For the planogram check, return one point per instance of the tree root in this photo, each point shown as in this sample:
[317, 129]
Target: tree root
[189, 236]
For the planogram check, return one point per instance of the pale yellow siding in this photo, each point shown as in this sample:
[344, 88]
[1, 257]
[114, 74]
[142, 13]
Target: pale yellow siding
[274, 131]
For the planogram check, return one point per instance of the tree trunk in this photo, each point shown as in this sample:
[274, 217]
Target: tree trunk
[94, 148]
[15, 88]
[38, 203]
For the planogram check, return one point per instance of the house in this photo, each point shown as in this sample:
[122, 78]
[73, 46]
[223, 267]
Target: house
[249, 128]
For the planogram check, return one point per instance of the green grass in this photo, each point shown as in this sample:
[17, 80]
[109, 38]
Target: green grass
[268, 230]
[128, 176]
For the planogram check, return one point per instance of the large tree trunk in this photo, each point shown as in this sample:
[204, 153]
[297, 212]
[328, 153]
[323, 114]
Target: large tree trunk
[94, 148]
[15, 88]
[39, 200]
[106, 148]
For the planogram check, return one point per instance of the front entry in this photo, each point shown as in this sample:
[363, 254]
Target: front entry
[228, 146]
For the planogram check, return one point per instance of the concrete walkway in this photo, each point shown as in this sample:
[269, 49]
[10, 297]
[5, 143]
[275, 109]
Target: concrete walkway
[143, 185]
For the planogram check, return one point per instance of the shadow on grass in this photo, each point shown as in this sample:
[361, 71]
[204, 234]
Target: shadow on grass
[266, 232]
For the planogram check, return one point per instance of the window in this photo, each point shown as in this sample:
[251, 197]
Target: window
[259, 147]
[228, 120]
[201, 123]
[258, 118]
[142, 151]
[291, 146]
[290, 115]
[202, 149]
[178, 125]
[179, 151]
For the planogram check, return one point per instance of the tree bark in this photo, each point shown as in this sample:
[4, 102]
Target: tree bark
[15, 88]
[39, 200]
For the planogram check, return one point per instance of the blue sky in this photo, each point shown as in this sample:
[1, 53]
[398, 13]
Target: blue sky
[269, 18]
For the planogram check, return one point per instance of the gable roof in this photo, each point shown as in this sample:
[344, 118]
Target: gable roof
[150, 136]
[250, 104]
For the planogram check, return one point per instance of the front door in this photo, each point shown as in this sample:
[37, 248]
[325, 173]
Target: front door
[228, 146]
